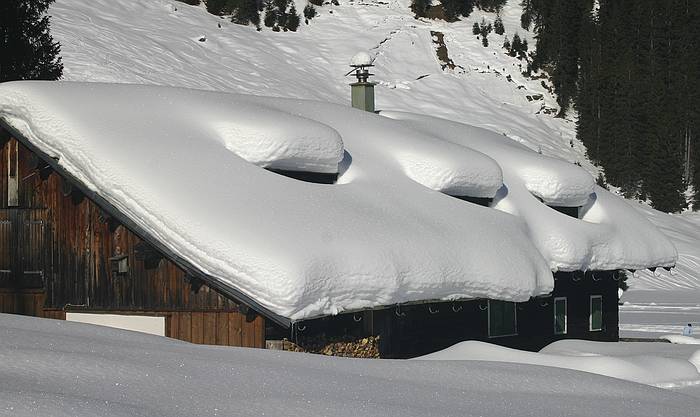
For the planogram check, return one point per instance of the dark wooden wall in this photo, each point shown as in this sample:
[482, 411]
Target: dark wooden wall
[413, 330]
[55, 251]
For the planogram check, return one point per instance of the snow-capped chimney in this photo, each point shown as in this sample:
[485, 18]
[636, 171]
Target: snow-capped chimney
[362, 91]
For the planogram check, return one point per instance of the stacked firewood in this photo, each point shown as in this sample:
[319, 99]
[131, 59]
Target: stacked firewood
[365, 347]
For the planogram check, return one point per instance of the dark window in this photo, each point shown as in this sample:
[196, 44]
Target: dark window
[502, 318]
[569, 211]
[119, 264]
[482, 201]
[560, 320]
[596, 318]
[314, 177]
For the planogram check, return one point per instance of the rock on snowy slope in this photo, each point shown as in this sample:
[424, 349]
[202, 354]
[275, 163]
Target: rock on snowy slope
[55, 368]
[377, 238]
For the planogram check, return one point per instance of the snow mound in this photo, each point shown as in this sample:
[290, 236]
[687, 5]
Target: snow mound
[609, 234]
[55, 368]
[278, 140]
[379, 237]
[361, 59]
[680, 339]
[645, 369]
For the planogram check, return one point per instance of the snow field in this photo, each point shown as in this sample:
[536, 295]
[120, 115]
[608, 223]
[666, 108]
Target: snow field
[618, 360]
[56, 368]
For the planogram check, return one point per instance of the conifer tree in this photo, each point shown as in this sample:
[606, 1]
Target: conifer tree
[218, 7]
[28, 50]
[245, 12]
[515, 46]
[498, 26]
[270, 14]
[476, 29]
[309, 12]
[506, 45]
[292, 22]
[420, 7]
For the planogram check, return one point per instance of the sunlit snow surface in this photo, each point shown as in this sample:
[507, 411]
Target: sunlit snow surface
[55, 368]
[657, 364]
[172, 160]
[158, 42]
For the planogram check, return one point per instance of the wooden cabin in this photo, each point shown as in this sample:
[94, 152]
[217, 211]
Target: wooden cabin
[65, 252]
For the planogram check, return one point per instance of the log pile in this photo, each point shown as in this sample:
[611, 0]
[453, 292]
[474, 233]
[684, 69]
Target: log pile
[350, 347]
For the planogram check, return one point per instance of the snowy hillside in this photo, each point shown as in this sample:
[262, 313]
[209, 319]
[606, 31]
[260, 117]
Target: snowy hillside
[171, 43]
[55, 368]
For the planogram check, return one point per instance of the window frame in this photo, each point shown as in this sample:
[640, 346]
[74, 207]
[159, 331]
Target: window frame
[515, 319]
[566, 315]
[590, 313]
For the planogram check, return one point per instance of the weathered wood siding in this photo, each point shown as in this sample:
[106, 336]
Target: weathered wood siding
[58, 245]
[413, 330]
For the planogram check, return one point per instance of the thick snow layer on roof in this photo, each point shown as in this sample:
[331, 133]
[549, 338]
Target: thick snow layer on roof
[361, 58]
[53, 368]
[381, 236]
[156, 42]
[609, 234]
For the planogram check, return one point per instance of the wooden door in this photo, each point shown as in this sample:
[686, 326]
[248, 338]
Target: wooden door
[25, 260]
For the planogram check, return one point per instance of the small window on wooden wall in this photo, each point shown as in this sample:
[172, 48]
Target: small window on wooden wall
[12, 173]
[502, 318]
[119, 265]
[596, 317]
[560, 315]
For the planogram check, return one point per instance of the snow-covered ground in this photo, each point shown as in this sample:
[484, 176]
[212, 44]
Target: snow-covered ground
[53, 368]
[666, 365]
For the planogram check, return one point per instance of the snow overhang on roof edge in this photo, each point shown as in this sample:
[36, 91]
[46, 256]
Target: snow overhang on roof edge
[144, 235]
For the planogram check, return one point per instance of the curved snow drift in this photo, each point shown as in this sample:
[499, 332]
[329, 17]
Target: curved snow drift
[609, 235]
[181, 164]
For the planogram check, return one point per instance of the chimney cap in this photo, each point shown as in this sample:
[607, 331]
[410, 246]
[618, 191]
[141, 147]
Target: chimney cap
[361, 59]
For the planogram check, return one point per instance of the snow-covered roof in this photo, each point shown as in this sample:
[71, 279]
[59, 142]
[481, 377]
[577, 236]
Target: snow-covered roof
[185, 166]
[609, 234]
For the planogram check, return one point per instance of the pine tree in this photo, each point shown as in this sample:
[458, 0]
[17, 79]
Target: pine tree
[28, 50]
[292, 19]
[245, 12]
[515, 46]
[270, 14]
[490, 5]
[476, 29]
[309, 12]
[498, 26]
[420, 7]
[506, 45]
[217, 7]
[281, 13]
[452, 9]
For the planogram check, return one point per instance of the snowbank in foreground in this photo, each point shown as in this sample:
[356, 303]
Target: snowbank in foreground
[681, 340]
[53, 368]
[647, 369]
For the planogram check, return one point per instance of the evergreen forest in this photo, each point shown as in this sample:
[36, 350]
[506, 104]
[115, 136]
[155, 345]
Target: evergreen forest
[631, 70]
